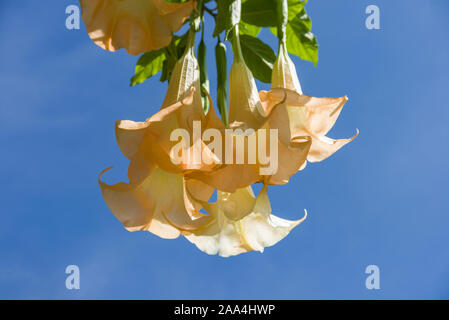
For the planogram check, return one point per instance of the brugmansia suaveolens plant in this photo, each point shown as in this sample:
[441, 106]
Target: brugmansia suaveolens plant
[186, 152]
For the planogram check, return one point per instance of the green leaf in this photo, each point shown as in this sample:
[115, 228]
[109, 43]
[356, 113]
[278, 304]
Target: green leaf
[249, 29]
[259, 57]
[295, 7]
[300, 40]
[260, 13]
[180, 43]
[165, 76]
[173, 53]
[229, 12]
[263, 13]
[147, 66]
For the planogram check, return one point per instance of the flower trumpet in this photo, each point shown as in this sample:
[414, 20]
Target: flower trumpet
[315, 119]
[156, 200]
[240, 222]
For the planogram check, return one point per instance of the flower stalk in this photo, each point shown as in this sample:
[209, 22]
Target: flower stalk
[236, 47]
[282, 15]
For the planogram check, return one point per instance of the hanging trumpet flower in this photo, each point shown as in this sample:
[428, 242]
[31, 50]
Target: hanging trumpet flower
[184, 153]
[136, 25]
[315, 119]
[156, 200]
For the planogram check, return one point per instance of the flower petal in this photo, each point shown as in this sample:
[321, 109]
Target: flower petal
[318, 116]
[136, 25]
[245, 108]
[284, 72]
[129, 136]
[174, 14]
[196, 193]
[324, 147]
[292, 158]
[304, 115]
[255, 231]
[156, 204]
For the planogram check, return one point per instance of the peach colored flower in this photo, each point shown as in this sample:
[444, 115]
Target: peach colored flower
[316, 118]
[155, 200]
[248, 110]
[136, 25]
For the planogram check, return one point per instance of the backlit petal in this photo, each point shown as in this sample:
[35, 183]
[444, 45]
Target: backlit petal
[136, 25]
[304, 115]
[254, 231]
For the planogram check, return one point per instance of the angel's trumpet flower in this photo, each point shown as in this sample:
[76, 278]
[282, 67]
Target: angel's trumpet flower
[136, 25]
[181, 113]
[155, 200]
[248, 116]
[238, 223]
[315, 119]
[236, 167]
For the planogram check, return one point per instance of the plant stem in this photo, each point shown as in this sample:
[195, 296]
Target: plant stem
[235, 43]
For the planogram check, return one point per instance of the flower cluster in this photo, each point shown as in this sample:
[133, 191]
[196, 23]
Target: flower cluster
[169, 198]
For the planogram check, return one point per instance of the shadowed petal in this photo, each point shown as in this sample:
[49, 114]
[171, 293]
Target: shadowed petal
[156, 204]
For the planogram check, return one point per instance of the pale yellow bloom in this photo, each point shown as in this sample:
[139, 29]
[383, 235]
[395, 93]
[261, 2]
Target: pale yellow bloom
[315, 119]
[238, 223]
[136, 25]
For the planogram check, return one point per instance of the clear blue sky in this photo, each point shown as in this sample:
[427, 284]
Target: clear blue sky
[381, 200]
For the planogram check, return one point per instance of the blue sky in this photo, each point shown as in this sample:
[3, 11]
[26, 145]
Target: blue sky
[381, 200]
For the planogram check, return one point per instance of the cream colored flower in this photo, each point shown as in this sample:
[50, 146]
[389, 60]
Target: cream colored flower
[238, 223]
[136, 25]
